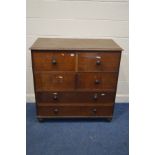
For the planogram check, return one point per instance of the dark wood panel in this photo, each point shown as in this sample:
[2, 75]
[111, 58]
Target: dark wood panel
[46, 81]
[101, 81]
[105, 61]
[75, 97]
[97, 110]
[54, 61]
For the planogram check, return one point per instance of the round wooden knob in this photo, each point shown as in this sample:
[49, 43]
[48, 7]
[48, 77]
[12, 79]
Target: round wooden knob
[56, 110]
[55, 97]
[95, 96]
[98, 62]
[94, 110]
[97, 81]
[54, 62]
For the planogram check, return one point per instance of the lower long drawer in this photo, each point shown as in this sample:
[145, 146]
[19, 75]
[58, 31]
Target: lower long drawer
[74, 111]
[75, 97]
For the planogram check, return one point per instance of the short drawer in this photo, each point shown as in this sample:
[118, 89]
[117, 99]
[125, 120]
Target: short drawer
[99, 61]
[46, 81]
[75, 97]
[71, 111]
[101, 81]
[53, 61]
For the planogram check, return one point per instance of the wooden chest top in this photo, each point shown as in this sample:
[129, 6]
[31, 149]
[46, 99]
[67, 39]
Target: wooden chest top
[75, 44]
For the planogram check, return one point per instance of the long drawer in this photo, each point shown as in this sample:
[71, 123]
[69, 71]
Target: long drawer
[75, 97]
[73, 111]
[54, 81]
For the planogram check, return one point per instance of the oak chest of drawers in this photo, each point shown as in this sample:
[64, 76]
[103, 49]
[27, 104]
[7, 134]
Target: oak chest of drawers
[75, 77]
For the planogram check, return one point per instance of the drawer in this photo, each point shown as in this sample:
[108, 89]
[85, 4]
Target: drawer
[53, 61]
[75, 97]
[104, 81]
[56, 111]
[98, 61]
[46, 81]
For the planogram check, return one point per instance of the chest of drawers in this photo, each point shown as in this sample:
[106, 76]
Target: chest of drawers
[75, 77]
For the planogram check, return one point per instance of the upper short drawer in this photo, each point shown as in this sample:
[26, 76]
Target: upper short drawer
[53, 61]
[99, 61]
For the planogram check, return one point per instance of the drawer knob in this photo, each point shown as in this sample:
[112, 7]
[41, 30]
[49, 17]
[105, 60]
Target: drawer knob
[97, 81]
[98, 62]
[56, 110]
[95, 96]
[94, 111]
[55, 97]
[54, 62]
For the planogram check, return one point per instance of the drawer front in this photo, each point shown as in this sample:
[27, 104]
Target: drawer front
[53, 61]
[74, 111]
[102, 81]
[75, 97]
[105, 61]
[46, 81]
